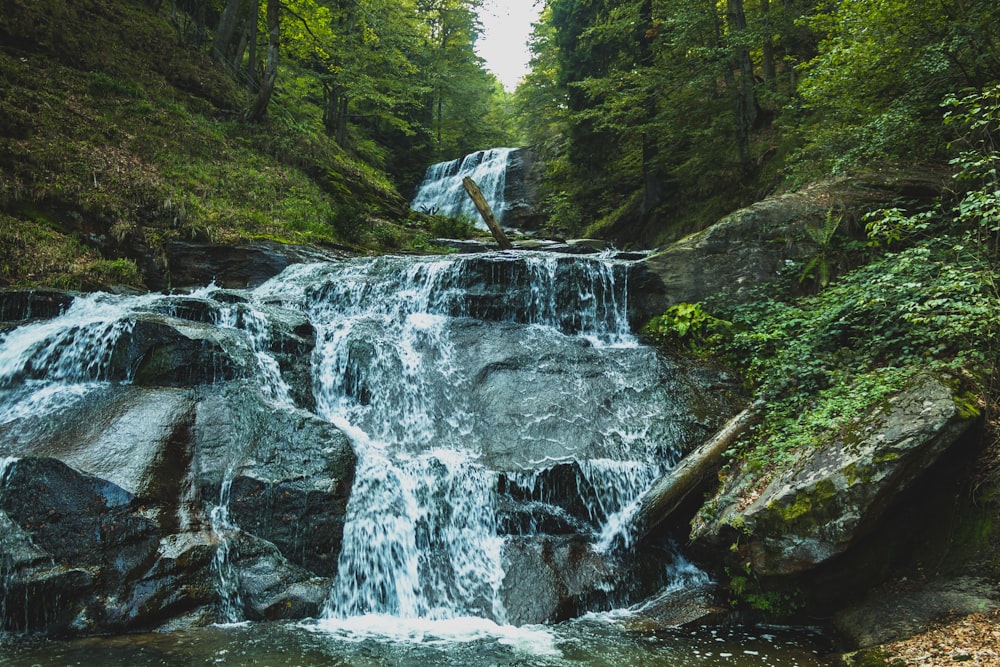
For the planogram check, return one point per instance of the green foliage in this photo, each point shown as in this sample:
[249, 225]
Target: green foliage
[821, 362]
[684, 108]
[748, 591]
[444, 227]
[876, 91]
[687, 326]
[929, 303]
[818, 267]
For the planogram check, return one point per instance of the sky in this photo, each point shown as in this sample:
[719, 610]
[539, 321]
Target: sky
[504, 44]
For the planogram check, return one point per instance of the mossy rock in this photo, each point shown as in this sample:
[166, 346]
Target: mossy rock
[833, 496]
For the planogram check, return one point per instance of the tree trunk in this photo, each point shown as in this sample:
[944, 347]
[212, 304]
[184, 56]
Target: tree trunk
[767, 50]
[259, 109]
[744, 98]
[670, 491]
[486, 212]
[341, 136]
[230, 40]
[253, 81]
[652, 184]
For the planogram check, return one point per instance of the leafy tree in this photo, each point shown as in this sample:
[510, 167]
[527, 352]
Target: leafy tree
[872, 94]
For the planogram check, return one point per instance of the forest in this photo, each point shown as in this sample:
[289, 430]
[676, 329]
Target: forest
[313, 120]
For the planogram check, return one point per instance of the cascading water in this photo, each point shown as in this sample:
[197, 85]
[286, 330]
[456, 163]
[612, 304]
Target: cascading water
[454, 377]
[503, 421]
[442, 192]
[49, 364]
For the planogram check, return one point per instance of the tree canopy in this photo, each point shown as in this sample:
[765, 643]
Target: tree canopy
[657, 116]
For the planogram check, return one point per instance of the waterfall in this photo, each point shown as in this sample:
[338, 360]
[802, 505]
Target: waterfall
[45, 365]
[442, 192]
[498, 406]
[455, 378]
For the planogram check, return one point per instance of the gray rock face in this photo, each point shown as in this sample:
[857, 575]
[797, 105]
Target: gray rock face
[233, 266]
[521, 192]
[836, 494]
[891, 615]
[106, 495]
[132, 511]
[751, 246]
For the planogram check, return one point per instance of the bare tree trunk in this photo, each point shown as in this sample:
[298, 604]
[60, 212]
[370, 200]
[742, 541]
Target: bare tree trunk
[767, 49]
[486, 212]
[259, 109]
[341, 136]
[230, 41]
[670, 491]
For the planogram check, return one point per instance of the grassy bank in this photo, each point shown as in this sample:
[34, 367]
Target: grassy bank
[117, 137]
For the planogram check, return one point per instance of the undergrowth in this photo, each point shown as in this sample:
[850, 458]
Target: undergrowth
[113, 146]
[926, 302]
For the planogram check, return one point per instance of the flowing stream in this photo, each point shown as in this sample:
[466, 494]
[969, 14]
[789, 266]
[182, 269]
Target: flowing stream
[496, 404]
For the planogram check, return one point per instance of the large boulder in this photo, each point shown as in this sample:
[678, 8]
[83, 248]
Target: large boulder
[756, 244]
[836, 494]
[106, 508]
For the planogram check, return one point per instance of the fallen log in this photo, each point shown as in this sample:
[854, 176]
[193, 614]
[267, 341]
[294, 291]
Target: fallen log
[486, 212]
[664, 497]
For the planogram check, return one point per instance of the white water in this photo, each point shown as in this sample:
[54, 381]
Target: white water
[442, 191]
[404, 366]
[50, 364]
[391, 370]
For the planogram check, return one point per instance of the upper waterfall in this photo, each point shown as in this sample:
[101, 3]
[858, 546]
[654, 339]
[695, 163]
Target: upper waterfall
[442, 191]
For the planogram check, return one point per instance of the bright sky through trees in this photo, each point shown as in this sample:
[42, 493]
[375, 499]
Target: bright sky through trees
[507, 25]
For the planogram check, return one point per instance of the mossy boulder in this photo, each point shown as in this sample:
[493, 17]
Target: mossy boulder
[837, 493]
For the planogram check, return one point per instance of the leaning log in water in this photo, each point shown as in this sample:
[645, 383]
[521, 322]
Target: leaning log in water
[486, 212]
[667, 494]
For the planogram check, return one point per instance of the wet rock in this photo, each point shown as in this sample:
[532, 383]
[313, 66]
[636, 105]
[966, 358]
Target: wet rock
[677, 606]
[79, 519]
[21, 305]
[533, 517]
[157, 351]
[291, 474]
[205, 311]
[54, 598]
[93, 530]
[533, 374]
[180, 582]
[836, 494]
[232, 266]
[304, 518]
[127, 502]
[550, 580]
[270, 587]
[132, 437]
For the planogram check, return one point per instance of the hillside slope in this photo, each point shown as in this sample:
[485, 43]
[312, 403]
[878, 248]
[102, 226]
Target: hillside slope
[118, 137]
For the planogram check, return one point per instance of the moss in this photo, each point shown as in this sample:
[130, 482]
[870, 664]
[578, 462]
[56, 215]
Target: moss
[807, 503]
[966, 404]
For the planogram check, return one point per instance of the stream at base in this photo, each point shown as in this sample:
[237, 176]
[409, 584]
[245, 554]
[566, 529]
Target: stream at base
[596, 640]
